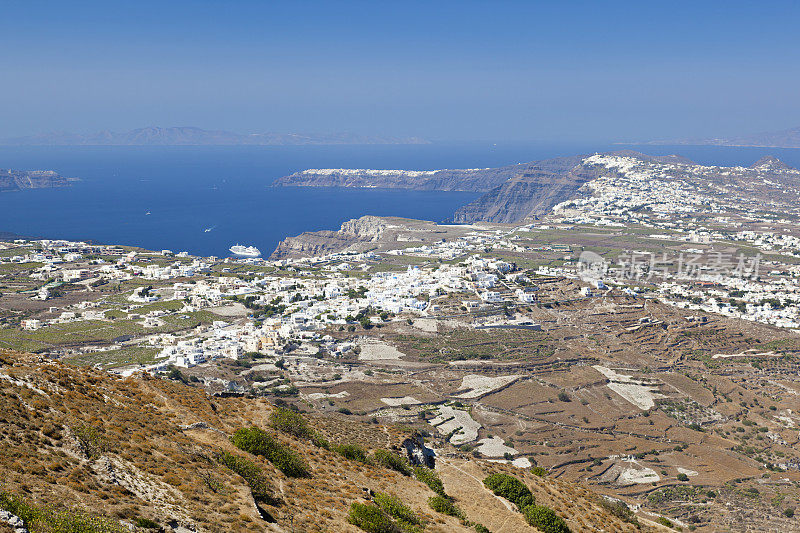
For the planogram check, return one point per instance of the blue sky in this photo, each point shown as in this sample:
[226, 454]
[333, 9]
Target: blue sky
[441, 70]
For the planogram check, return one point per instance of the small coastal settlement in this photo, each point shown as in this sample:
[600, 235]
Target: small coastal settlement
[641, 338]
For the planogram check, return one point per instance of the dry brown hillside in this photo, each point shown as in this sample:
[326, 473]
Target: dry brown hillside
[78, 446]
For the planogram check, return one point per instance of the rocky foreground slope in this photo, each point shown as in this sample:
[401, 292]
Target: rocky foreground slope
[84, 451]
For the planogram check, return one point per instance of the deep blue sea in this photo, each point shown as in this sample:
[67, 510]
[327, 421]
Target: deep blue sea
[187, 190]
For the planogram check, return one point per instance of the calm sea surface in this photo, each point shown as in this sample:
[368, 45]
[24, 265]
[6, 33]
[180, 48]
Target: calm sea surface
[167, 197]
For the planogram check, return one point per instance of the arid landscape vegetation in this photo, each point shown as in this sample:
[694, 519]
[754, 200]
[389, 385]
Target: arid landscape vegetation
[93, 451]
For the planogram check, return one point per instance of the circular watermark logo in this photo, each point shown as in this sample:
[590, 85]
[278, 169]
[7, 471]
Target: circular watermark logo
[591, 266]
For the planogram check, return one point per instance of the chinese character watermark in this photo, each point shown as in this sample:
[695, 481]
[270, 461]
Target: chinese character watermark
[648, 266]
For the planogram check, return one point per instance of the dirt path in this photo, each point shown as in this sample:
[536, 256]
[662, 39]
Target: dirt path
[464, 481]
[505, 502]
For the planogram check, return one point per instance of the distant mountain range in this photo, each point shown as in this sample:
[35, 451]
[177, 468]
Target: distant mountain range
[776, 139]
[190, 136]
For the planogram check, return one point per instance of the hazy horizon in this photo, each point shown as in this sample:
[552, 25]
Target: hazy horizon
[446, 71]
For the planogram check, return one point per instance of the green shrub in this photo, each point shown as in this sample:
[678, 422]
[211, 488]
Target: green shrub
[77, 522]
[443, 505]
[538, 471]
[354, 452]
[370, 518]
[48, 519]
[290, 422]
[91, 440]
[19, 507]
[430, 478]
[545, 519]
[259, 442]
[682, 477]
[664, 522]
[618, 508]
[393, 461]
[480, 528]
[319, 441]
[510, 488]
[146, 523]
[788, 512]
[396, 509]
[252, 475]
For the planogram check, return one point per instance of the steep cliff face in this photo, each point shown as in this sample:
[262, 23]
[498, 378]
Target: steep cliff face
[538, 186]
[534, 191]
[360, 235]
[14, 180]
[512, 193]
[360, 231]
[367, 228]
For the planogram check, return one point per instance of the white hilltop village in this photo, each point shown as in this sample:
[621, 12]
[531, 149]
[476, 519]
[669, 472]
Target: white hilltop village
[468, 266]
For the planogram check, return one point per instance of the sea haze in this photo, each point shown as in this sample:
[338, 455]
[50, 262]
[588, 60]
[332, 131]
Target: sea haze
[187, 190]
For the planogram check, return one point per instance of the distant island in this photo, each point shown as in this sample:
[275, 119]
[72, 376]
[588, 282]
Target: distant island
[477, 179]
[191, 136]
[789, 138]
[15, 180]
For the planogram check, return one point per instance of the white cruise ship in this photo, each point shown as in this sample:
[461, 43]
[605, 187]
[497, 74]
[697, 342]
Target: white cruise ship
[245, 251]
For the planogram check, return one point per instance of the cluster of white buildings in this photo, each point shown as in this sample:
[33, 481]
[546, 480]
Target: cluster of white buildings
[657, 195]
[309, 304]
[633, 192]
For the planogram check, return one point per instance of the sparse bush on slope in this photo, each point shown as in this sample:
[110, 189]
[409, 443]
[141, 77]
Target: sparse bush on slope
[619, 509]
[443, 505]
[292, 423]
[545, 519]
[517, 492]
[354, 452]
[289, 422]
[252, 474]
[392, 506]
[539, 471]
[393, 461]
[319, 441]
[91, 440]
[510, 488]
[146, 523]
[259, 442]
[44, 519]
[430, 478]
[371, 519]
